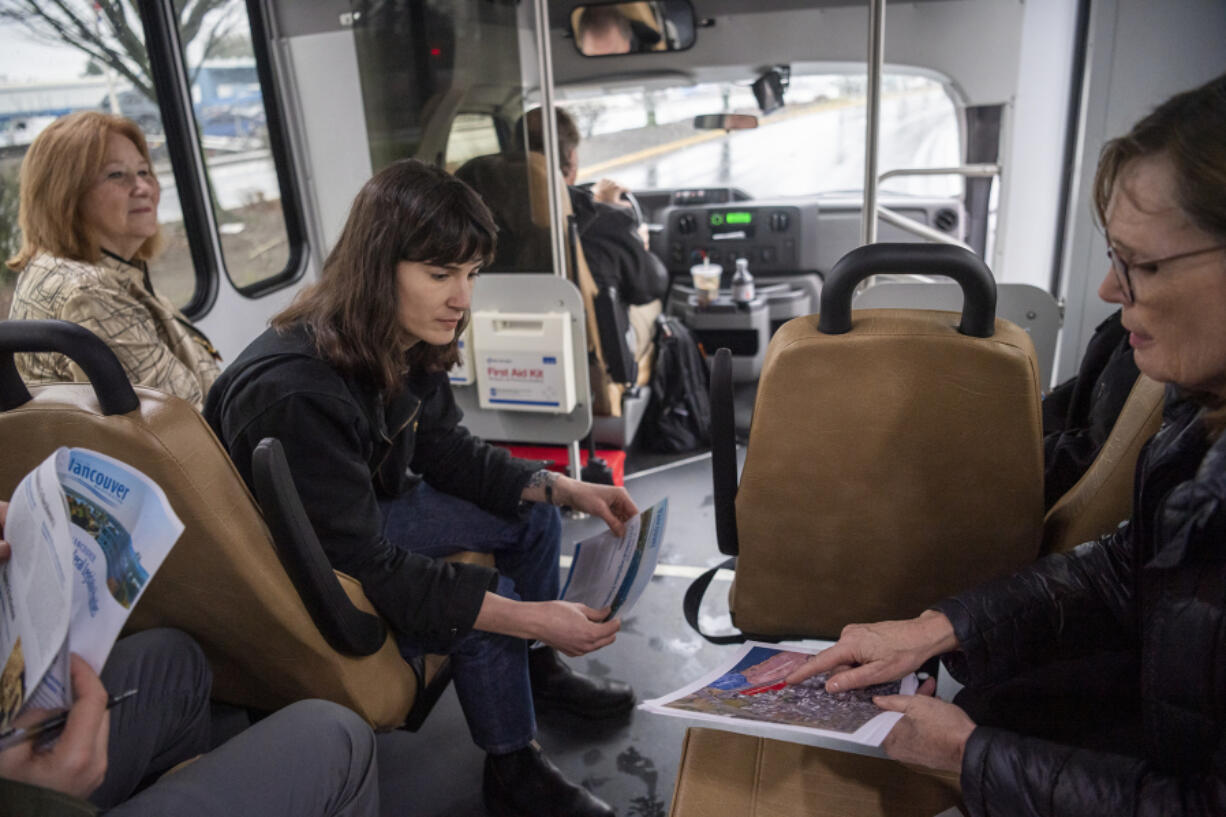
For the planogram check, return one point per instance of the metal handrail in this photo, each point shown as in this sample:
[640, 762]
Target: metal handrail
[549, 132]
[872, 115]
[917, 227]
[976, 171]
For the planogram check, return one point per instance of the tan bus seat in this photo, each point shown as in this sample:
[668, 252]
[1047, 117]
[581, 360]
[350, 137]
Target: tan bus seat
[1102, 498]
[895, 456]
[223, 582]
[734, 775]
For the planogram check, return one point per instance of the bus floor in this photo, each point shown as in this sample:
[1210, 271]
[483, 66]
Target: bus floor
[632, 763]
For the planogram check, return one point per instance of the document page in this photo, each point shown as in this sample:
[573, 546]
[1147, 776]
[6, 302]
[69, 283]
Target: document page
[749, 691]
[87, 532]
[612, 571]
[35, 595]
[122, 528]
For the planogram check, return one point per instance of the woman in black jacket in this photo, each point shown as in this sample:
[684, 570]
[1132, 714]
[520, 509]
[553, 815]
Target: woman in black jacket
[1155, 589]
[352, 379]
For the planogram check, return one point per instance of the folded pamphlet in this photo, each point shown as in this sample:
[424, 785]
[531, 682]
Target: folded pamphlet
[87, 532]
[612, 571]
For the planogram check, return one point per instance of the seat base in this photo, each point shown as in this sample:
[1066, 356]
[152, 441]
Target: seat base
[737, 775]
[619, 432]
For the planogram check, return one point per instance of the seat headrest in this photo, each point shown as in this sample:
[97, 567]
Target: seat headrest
[515, 188]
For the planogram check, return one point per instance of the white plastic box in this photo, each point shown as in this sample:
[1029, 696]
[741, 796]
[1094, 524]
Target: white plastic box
[523, 361]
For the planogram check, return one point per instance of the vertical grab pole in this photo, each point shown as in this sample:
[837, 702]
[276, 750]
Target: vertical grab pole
[876, 49]
[549, 130]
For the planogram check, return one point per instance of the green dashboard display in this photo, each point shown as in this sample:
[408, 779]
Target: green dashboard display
[736, 217]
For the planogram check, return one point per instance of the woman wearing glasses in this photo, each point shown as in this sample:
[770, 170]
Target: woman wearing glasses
[89, 226]
[1145, 733]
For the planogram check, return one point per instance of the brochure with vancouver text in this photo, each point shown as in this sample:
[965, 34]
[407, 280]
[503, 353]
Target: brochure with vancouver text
[87, 534]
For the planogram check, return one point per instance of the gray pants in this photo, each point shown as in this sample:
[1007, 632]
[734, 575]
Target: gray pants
[310, 758]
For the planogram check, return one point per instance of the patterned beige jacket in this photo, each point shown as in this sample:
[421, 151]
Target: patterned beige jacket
[156, 344]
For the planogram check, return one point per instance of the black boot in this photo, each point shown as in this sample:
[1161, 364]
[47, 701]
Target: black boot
[556, 686]
[526, 784]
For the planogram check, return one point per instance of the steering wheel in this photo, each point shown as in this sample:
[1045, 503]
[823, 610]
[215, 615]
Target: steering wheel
[635, 207]
[628, 197]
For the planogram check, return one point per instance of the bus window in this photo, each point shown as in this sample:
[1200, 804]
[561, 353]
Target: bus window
[45, 73]
[233, 124]
[471, 135]
[41, 79]
[444, 82]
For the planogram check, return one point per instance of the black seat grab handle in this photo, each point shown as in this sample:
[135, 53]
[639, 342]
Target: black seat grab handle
[968, 269]
[87, 350]
[346, 628]
[723, 453]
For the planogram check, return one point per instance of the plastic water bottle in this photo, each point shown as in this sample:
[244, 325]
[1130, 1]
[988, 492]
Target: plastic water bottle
[742, 283]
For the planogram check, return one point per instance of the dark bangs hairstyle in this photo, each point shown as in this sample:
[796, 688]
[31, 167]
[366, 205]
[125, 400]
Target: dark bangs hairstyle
[409, 211]
[1190, 130]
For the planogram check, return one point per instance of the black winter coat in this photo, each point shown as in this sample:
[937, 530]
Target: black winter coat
[348, 448]
[1157, 587]
[1078, 415]
[614, 252]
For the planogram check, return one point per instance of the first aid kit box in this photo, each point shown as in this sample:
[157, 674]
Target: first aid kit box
[523, 361]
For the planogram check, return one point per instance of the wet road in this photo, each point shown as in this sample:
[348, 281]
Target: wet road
[810, 151]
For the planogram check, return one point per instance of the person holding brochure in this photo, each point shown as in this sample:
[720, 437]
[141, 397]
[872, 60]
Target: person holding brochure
[352, 379]
[1154, 742]
[122, 759]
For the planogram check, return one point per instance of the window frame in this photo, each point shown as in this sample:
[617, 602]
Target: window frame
[173, 89]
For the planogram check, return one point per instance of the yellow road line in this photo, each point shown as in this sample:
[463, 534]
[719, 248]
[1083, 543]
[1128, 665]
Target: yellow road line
[647, 153]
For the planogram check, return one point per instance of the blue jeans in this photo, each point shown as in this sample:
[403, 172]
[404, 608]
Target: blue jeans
[490, 671]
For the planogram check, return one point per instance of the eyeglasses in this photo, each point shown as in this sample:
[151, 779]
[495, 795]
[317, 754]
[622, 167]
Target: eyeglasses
[128, 178]
[1122, 268]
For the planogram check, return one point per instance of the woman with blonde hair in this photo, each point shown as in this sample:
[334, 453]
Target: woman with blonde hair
[89, 227]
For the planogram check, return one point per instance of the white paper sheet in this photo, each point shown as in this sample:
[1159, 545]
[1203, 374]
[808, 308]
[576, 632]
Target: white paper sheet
[87, 532]
[748, 690]
[612, 571]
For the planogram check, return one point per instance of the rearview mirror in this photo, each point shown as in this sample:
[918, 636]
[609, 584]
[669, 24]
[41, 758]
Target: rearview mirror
[725, 121]
[627, 28]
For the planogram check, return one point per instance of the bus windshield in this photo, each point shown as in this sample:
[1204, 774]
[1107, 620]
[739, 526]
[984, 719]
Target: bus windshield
[644, 136]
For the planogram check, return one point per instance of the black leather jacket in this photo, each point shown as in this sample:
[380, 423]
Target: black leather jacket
[1078, 415]
[614, 252]
[348, 447]
[1157, 587]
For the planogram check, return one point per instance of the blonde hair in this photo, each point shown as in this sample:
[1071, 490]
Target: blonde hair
[61, 165]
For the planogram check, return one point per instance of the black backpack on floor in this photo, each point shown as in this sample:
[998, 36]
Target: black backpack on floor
[678, 417]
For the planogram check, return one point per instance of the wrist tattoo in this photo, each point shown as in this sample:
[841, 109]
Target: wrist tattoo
[545, 479]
